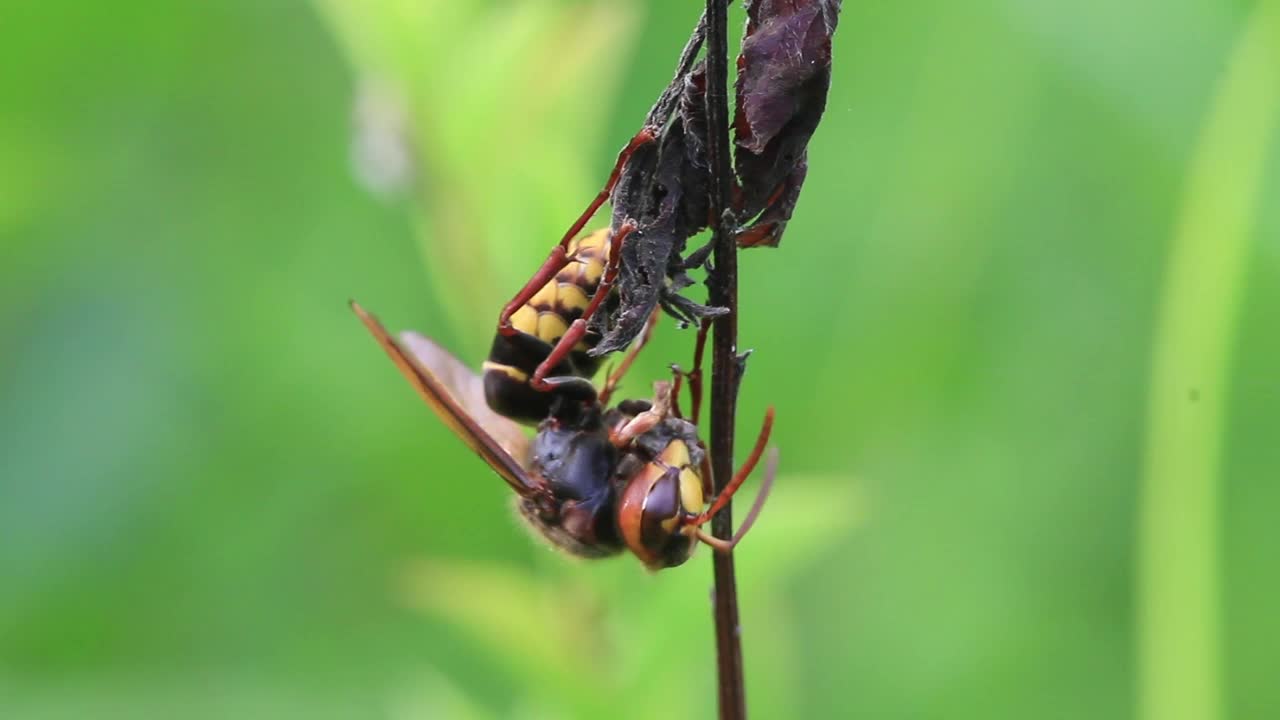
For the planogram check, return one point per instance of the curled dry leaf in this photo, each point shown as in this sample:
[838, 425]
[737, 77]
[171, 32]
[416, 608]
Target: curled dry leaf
[784, 72]
[664, 190]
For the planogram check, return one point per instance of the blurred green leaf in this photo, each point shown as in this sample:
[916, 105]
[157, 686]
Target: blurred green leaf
[494, 98]
[572, 640]
[1195, 336]
[214, 489]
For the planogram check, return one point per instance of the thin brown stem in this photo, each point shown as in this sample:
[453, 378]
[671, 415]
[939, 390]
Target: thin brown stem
[723, 292]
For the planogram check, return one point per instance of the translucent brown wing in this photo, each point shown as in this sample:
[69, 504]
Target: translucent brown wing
[457, 396]
[468, 389]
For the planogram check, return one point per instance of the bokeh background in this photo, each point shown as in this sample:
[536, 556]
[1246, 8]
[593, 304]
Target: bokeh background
[1021, 337]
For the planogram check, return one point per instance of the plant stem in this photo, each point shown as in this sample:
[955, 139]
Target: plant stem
[723, 292]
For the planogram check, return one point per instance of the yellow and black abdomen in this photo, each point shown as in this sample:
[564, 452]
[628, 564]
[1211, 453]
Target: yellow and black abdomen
[540, 323]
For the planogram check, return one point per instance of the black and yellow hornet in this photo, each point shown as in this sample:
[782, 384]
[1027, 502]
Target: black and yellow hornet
[634, 476]
[540, 363]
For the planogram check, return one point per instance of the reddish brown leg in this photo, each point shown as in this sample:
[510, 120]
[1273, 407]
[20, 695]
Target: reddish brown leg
[578, 328]
[724, 546]
[695, 393]
[677, 377]
[771, 472]
[554, 263]
[739, 477]
[645, 421]
[559, 256]
[695, 375]
[642, 138]
[613, 378]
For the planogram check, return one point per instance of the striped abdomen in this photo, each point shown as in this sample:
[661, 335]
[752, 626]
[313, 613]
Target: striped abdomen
[540, 323]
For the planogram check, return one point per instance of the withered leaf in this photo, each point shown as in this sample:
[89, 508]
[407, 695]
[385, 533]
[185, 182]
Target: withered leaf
[784, 72]
[664, 190]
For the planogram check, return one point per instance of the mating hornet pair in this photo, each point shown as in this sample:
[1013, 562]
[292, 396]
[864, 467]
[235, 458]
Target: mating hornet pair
[594, 479]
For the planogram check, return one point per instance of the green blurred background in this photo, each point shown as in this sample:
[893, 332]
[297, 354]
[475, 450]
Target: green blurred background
[1021, 337]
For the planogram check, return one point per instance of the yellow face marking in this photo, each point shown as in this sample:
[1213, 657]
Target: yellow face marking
[551, 327]
[675, 454]
[512, 372]
[690, 490]
[525, 320]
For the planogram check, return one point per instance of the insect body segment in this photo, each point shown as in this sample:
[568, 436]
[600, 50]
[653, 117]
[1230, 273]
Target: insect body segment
[661, 495]
[536, 326]
[593, 482]
[539, 364]
[562, 300]
[577, 463]
[562, 478]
